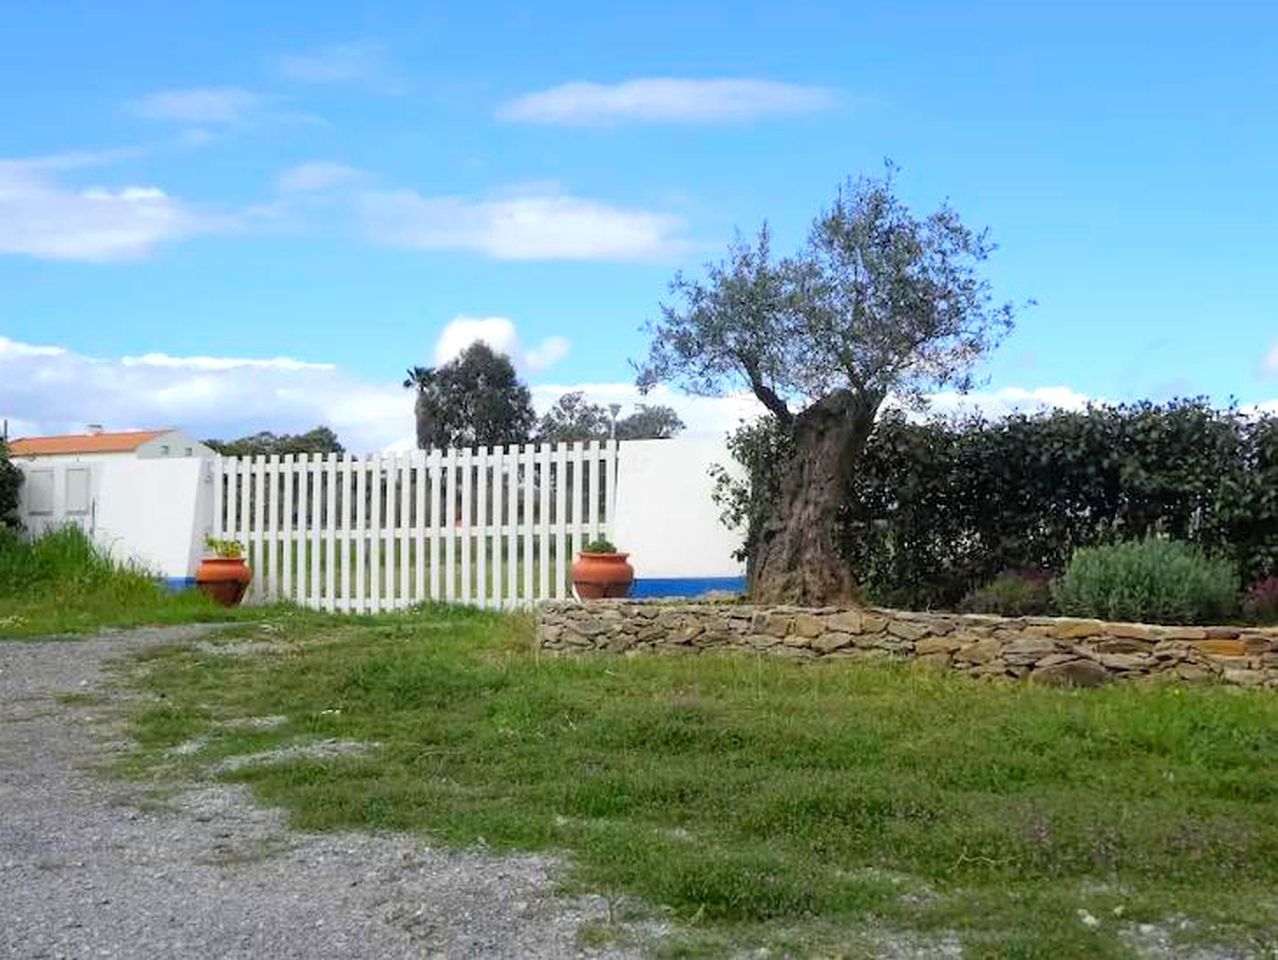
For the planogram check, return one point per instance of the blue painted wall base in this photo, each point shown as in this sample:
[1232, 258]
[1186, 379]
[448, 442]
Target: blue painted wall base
[686, 586]
[178, 584]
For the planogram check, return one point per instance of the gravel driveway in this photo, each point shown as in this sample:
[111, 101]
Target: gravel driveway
[88, 868]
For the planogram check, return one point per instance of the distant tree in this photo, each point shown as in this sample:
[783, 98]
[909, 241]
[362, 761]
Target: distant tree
[10, 481]
[649, 422]
[571, 418]
[265, 443]
[877, 302]
[474, 400]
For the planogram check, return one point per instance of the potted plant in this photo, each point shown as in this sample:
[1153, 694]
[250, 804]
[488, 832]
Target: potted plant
[601, 571]
[224, 576]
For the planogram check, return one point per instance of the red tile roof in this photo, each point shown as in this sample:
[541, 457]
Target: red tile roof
[122, 442]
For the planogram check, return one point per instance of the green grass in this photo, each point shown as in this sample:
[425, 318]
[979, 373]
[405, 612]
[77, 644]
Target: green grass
[814, 808]
[62, 583]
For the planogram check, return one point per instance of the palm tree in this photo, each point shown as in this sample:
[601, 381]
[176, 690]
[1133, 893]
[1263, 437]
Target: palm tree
[419, 379]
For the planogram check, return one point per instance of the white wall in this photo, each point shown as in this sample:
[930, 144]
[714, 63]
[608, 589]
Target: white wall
[155, 512]
[665, 517]
[47, 459]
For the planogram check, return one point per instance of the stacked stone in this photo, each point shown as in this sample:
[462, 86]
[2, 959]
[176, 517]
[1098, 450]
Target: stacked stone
[1052, 650]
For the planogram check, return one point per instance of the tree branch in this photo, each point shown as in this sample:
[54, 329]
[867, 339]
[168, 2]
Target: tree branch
[767, 396]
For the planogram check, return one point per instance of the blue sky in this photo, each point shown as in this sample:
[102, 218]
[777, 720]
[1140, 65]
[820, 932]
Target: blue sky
[239, 215]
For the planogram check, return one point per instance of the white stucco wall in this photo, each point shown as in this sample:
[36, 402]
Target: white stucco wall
[155, 512]
[665, 517]
[47, 459]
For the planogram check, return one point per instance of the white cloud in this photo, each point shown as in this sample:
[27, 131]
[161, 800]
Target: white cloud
[317, 176]
[1269, 362]
[338, 63]
[41, 217]
[666, 99]
[199, 105]
[500, 334]
[542, 226]
[1008, 400]
[547, 353]
[49, 389]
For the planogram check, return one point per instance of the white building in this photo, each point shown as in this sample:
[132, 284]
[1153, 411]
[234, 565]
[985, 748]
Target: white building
[98, 444]
[142, 494]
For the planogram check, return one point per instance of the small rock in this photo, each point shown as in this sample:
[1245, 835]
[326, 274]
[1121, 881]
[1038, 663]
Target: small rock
[832, 641]
[933, 645]
[983, 651]
[1076, 673]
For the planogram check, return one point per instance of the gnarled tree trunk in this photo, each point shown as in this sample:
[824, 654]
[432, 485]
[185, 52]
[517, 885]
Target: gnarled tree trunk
[798, 559]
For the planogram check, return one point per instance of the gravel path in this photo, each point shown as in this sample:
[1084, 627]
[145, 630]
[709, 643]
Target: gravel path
[88, 868]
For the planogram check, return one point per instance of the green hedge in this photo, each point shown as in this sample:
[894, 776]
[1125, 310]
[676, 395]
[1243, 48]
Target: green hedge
[938, 509]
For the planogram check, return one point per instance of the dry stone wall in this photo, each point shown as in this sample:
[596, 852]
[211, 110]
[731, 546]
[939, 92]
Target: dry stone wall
[1060, 651]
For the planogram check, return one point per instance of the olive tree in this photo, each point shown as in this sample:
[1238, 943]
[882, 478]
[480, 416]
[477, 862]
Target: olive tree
[877, 303]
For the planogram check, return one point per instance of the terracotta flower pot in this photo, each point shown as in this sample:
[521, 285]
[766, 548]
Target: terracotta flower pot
[223, 578]
[599, 575]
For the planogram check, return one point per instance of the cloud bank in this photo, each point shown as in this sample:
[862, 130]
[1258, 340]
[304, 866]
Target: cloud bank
[51, 389]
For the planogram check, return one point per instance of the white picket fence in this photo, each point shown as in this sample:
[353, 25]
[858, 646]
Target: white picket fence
[491, 526]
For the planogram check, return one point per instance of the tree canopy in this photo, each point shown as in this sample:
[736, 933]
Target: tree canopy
[475, 400]
[877, 302]
[573, 418]
[264, 443]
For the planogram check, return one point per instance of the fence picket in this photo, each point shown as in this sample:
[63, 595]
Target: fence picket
[418, 465]
[498, 521]
[450, 527]
[259, 522]
[481, 526]
[436, 568]
[224, 475]
[315, 477]
[375, 498]
[543, 521]
[594, 490]
[300, 586]
[330, 532]
[529, 502]
[401, 529]
[465, 505]
[285, 542]
[512, 524]
[361, 548]
[218, 496]
[557, 572]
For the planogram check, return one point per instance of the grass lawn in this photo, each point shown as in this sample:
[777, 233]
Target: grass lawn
[820, 809]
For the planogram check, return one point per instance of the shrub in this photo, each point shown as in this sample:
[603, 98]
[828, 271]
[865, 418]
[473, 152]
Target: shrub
[1260, 605]
[10, 481]
[1017, 593]
[1153, 580]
